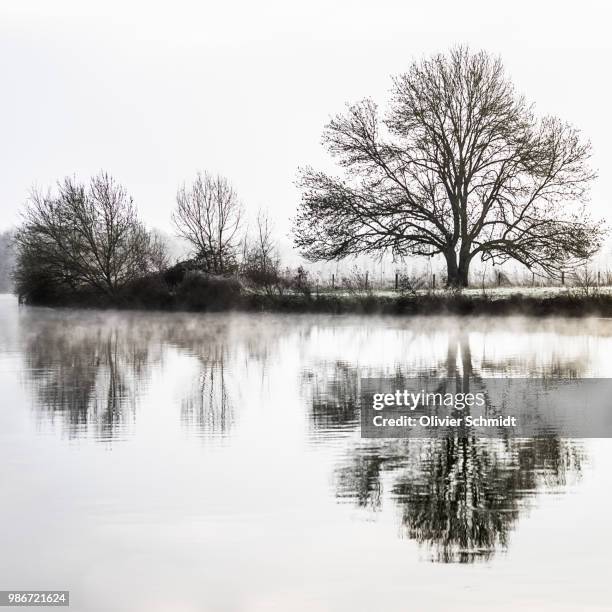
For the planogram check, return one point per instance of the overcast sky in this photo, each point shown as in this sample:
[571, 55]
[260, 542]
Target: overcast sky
[154, 91]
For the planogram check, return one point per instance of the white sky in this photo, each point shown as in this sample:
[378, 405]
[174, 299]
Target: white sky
[154, 91]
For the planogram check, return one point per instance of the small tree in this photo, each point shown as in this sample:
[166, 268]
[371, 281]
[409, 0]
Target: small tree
[7, 260]
[459, 166]
[83, 236]
[585, 280]
[209, 216]
[301, 281]
[261, 262]
[158, 252]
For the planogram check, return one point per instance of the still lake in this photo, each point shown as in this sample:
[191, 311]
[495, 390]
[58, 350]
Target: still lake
[203, 462]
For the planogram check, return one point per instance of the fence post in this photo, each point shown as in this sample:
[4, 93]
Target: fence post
[533, 279]
[433, 283]
[396, 281]
[366, 280]
[498, 279]
[598, 278]
[333, 281]
[563, 278]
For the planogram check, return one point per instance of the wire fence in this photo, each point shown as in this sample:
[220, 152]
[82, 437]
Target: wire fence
[405, 279]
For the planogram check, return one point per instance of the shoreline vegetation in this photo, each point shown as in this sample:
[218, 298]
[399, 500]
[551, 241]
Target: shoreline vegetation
[199, 292]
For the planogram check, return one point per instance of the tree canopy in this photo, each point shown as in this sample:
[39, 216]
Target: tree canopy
[458, 165]
[82, 236]
[208, 216]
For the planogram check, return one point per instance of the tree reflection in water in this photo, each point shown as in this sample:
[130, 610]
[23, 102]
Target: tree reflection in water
[91, 375]
[208, 405]
[90, 368]
[458, 497]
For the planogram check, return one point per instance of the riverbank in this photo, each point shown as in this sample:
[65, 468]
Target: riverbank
[562, 304]
[227, 296]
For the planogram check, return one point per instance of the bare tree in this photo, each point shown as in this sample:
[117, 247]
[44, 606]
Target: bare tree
[209, 216]
[159, 258]
[82, 236]
[7, 260]
[459, 166]
[261, 261]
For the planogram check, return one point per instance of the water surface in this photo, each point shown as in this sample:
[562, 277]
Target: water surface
[214, 462]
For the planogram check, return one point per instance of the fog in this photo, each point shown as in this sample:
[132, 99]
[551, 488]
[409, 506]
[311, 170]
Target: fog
[153, 92]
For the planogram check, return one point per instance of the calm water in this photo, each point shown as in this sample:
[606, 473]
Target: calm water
[213, 462]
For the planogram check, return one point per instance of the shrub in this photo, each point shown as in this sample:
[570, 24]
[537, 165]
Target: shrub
[409, 284]
[176, 273]
[201, 291]
[355, 281]
[262, 273]
[301, 282]
[149, 291]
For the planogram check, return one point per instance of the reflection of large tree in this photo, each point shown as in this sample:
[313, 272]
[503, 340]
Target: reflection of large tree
[460, 496]
[467, 494]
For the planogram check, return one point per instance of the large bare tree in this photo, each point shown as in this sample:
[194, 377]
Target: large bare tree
[209, 216]
[460, 166]
[82, 236]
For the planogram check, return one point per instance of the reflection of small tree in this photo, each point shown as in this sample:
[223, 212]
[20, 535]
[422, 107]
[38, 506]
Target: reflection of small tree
[361, 480]
[209, 406]
[335, 403]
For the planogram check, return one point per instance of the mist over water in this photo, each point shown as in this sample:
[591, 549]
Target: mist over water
[217, 459]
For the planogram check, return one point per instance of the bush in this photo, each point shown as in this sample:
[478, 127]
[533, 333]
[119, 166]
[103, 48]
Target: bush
[176, 273]
[36, 282]
[356, 281]
[301, 282]
[409, 284]
[262, 274]
[149, 291]
[201, 291]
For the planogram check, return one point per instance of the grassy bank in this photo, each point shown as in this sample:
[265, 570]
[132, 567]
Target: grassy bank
[436, 304]
[206, 294]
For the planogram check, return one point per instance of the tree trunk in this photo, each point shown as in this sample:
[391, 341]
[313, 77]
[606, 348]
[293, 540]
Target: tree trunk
[457, 273]
[463, 273]
[451, 268]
